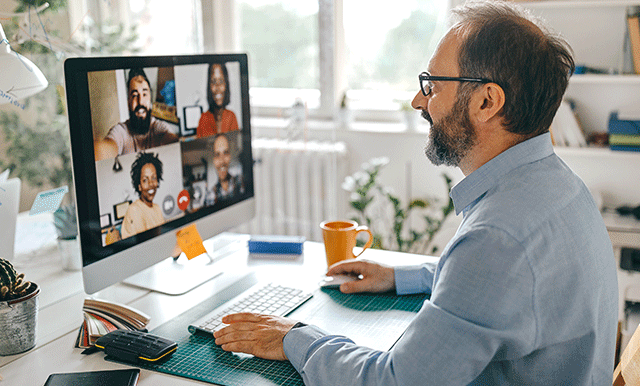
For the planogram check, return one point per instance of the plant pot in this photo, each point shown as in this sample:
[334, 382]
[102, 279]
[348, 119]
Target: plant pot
[18, 322]
[411, 119]
[70, 254]
[345, 118]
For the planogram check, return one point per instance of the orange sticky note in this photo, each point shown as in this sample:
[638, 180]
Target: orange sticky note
[190, 241]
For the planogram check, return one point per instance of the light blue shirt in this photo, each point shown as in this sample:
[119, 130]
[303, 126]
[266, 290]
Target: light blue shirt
[525, 292]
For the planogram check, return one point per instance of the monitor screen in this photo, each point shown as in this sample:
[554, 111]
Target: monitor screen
[158, 143]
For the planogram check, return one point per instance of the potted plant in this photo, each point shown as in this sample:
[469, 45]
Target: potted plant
[18, 311]
[37, 138]
[377, 207]
[65, 221]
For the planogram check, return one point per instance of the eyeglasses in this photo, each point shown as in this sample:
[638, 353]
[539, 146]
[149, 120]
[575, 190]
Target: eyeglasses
[426, 81]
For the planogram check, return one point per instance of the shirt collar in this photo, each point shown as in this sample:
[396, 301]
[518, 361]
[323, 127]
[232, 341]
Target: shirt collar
[472, 187]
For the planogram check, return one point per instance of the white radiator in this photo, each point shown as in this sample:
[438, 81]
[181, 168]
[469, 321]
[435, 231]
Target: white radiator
[297, 186]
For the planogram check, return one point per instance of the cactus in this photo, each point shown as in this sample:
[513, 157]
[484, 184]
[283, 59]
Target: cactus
[12, 285]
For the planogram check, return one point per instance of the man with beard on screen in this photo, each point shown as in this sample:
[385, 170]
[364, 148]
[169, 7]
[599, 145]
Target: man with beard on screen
[141, 131]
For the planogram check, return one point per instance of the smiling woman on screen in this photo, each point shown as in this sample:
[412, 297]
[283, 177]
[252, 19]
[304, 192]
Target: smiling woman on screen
[218, 119]
[143, 214]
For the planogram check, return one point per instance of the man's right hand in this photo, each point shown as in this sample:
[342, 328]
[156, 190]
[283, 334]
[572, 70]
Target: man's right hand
[375, 277]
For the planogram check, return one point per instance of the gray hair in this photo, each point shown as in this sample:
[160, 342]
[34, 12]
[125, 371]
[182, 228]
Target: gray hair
[505, 43]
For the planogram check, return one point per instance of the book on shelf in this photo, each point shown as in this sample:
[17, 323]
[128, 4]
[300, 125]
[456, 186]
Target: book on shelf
[633, 28]
[624, 129]
[102, 317]
[624, 148]
[624, 140]
[565, 128]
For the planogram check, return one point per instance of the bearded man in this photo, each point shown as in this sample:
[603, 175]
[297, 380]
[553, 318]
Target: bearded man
[141, 131]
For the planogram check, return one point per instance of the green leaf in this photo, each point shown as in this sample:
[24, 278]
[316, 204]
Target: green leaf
[418, 203]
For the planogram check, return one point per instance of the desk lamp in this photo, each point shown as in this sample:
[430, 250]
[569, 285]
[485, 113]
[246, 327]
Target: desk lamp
[20, 77]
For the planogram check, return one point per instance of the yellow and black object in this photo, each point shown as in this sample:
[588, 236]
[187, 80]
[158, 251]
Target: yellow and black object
[136, 346]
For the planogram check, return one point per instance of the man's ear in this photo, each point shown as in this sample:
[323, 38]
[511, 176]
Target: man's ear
[487, 102]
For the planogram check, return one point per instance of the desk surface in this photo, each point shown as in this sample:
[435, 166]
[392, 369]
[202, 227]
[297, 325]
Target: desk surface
[62, 296]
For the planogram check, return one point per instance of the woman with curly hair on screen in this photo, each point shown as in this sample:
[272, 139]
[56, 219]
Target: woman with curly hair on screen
[143, 214]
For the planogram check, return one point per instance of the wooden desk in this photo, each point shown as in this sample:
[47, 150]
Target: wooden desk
[62, 295]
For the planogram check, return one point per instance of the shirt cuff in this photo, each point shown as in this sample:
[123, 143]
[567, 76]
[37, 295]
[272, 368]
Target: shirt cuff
[414, 279]
[297, 343]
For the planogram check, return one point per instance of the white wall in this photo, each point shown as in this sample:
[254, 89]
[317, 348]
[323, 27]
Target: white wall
[615, 175]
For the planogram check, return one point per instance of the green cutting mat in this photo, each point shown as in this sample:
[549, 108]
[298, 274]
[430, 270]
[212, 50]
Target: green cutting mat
[356, 316]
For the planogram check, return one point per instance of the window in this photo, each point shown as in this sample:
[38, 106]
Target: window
[381, 50]
[281, 39]
[386, 48]
[166, 27]
[148, 27]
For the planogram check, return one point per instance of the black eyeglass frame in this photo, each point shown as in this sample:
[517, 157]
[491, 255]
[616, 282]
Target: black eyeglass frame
[426, 77]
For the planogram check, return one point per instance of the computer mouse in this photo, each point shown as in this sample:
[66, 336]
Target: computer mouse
[336, 280]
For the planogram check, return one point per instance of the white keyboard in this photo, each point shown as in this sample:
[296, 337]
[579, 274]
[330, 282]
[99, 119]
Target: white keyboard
[269, 300]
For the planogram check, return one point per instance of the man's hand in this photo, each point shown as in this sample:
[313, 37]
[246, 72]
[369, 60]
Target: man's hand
[375, 277]
[256, 334]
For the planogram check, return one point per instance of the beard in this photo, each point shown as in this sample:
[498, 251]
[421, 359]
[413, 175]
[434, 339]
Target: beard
[452, 137]
[139, 125]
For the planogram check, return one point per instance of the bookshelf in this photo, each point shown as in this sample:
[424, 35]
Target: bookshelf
[596, 30]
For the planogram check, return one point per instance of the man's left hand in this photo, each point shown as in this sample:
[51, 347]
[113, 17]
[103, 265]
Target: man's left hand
[256, 334]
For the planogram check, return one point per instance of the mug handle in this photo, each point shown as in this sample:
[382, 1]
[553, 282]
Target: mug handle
[363, 228]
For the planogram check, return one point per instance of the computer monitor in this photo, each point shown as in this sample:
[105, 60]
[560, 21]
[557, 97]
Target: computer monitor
[145, 167]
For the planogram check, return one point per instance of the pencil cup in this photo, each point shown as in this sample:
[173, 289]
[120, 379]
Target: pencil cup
[18, 320]
[340, 239]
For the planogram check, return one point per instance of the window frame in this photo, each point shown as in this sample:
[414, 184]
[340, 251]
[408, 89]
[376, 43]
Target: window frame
[217, 15]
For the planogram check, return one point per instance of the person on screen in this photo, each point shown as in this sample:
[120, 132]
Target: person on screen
[141, 131]
[143, 214]
[218, 119]
[525, 293]
[228, 185]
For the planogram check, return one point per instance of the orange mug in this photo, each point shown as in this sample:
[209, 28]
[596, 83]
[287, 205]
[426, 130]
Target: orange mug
[340, 239]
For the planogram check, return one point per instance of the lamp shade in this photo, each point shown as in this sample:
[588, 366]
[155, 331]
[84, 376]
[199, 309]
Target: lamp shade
[19, 77]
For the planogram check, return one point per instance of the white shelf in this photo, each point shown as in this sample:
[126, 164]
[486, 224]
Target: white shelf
[596, 153]
[605, 79]
[549, 4]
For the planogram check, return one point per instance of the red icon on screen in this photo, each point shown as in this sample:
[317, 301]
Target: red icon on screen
[183, 200]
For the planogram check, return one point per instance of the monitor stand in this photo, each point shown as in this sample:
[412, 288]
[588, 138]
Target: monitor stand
[178, 276]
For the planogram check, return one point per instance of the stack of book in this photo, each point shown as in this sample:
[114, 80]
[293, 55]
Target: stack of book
[565, 128]
[624, 131]
[102, 317]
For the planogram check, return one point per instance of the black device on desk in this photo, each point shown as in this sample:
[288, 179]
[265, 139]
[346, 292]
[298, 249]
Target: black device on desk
[136, 346]
[128, 377]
